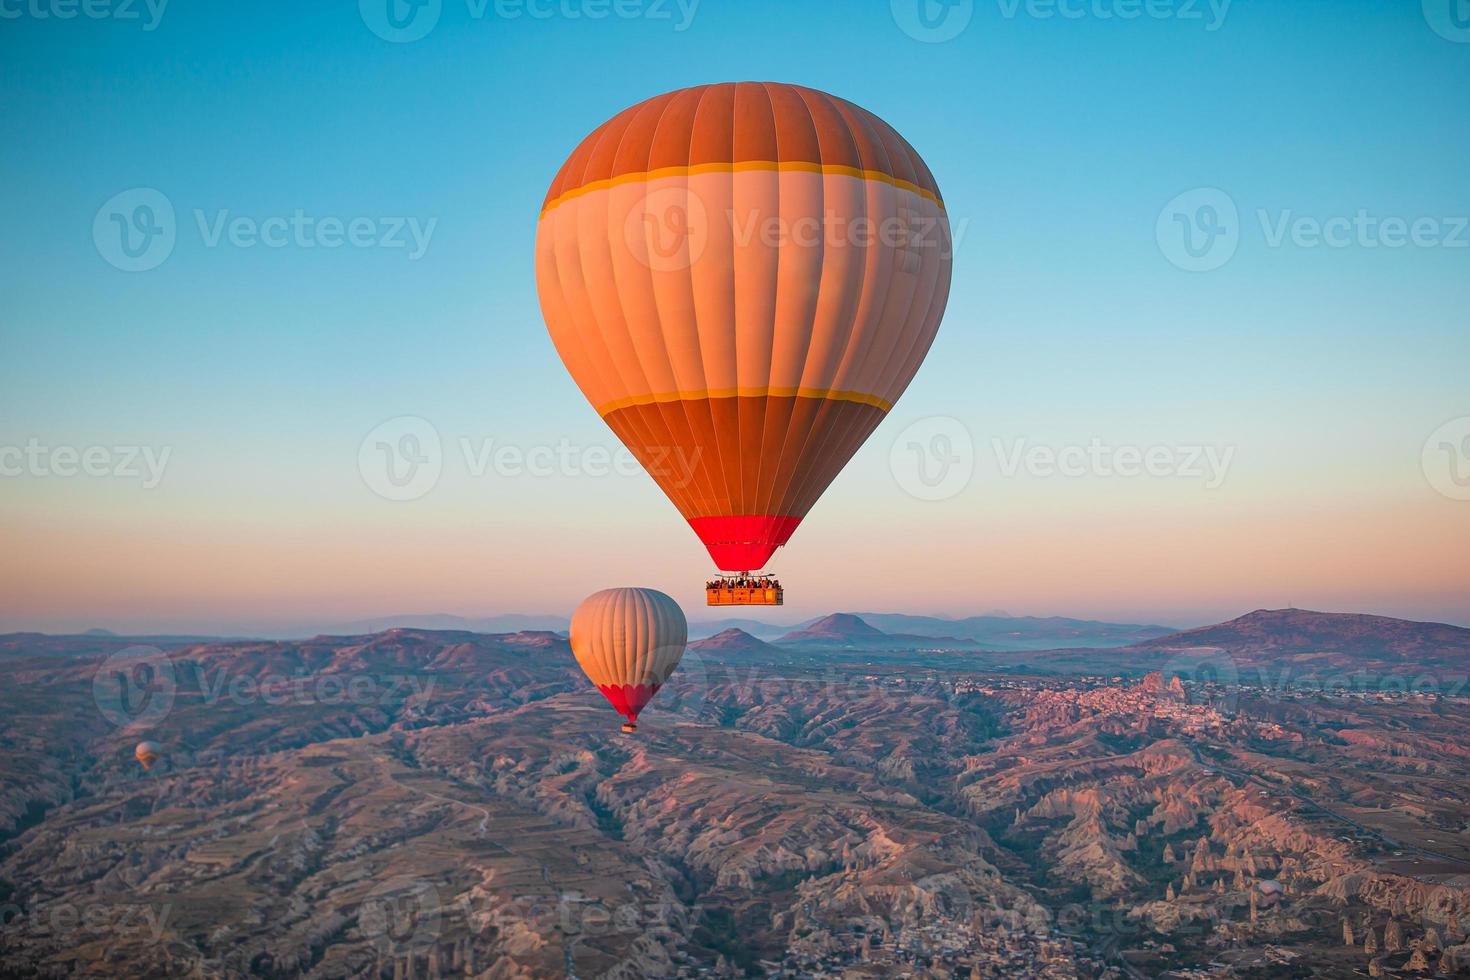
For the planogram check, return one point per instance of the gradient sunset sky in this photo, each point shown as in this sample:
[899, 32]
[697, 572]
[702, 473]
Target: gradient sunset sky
[1073, 145]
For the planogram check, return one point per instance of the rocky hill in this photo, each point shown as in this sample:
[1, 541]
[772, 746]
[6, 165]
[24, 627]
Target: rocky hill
[1003, 632]
[846, 631]
[1343, 638]
[734, 642]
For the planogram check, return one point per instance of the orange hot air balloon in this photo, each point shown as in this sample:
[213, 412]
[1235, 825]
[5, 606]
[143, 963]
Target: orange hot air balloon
[148, 753]
[628, 642]
[742, 279]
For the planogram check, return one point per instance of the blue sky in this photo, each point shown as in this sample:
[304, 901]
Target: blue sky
[1058, 135]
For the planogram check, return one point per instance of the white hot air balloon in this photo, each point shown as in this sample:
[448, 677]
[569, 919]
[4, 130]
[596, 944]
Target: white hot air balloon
[628, 641]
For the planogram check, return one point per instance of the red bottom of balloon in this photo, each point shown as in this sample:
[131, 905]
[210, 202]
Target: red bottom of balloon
[743, 543]
[628, 699]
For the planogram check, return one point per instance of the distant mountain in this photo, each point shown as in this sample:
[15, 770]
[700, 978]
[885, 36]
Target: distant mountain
[88, 644]
[846, 631]
[837, 626]
[1346, 638]
[736, 642]
[995, 630]
[754, 627]
[1002, 632]
[506, 623]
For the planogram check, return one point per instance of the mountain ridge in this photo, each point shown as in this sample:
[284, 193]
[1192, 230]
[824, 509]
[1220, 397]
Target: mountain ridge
[847, 630]
[1301, 633]
[733, 641]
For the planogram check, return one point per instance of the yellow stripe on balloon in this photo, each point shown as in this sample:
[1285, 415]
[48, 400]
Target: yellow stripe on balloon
[745, 166]
[881, 404]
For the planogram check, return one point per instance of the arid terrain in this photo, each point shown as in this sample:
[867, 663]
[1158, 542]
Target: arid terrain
[1284, 795]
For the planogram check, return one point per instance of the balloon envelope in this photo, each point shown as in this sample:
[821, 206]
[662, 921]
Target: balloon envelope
[742, 279]
[628, 641]
[148, 753]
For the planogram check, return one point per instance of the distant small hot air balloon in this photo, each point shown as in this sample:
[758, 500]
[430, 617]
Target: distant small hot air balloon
[628, 641]
[148, 753]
